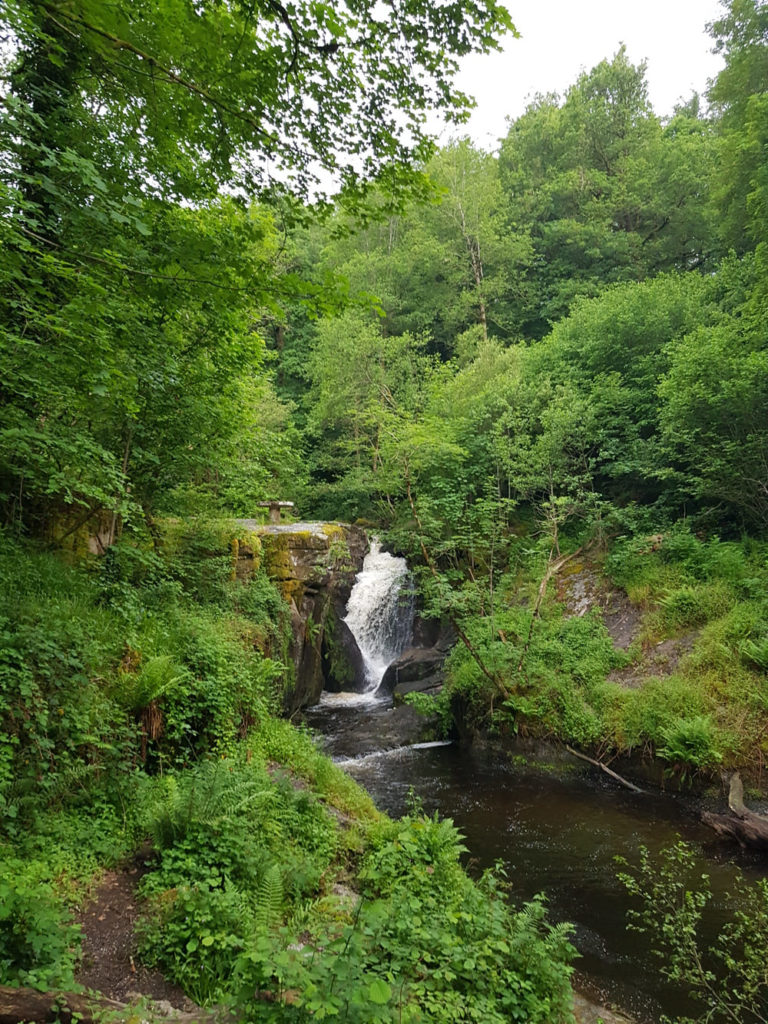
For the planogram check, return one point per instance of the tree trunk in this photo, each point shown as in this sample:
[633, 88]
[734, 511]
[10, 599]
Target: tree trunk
[19, 1005]
[743, 825]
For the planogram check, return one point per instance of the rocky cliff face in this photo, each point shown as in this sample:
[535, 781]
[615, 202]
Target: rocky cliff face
[314, 565]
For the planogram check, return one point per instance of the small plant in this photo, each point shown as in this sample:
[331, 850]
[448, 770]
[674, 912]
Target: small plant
[39, 943]
[734, 985]
[755, 652]
[691, 744]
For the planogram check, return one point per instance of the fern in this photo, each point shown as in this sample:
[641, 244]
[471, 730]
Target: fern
[209, 794]
[755, 652]
[157, 676]
[269, 898]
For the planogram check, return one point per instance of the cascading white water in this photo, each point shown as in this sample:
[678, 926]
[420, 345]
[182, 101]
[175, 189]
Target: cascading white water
[380, 612]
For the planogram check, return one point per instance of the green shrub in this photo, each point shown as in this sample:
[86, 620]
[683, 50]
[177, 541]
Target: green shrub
[690, 606]
[239, 849]
[636, 717]
[691, 743]
[60, 729]
[195, 935]
[728, 977]
[425, 944]
[39, 943]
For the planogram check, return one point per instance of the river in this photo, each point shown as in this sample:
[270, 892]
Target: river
[556, 827]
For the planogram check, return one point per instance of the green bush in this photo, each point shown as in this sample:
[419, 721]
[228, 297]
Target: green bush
[728, 977]
[425, 944]
[239, 850]
[690, 606]
[195, 935]
[636, 717]
[39, 943]
[60, 729]
[691, 743]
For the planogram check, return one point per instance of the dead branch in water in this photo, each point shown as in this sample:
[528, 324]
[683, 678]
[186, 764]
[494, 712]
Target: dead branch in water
[608, 771]
[743, 825]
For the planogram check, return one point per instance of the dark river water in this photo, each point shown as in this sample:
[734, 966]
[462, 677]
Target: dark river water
[557, 830]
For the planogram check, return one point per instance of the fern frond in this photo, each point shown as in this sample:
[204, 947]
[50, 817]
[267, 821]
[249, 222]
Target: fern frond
[269, 898]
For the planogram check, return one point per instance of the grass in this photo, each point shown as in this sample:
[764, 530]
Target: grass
[705, 710]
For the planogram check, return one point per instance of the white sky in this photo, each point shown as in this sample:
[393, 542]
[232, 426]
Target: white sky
[560, 38]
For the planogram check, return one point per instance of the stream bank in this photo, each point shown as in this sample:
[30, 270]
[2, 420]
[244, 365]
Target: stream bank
[556, 827]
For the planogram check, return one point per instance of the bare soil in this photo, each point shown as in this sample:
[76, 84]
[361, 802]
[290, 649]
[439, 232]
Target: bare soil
[656, 662]
[109, 963]
[584, 588]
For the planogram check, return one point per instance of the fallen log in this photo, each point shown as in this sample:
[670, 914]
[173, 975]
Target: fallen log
[606, 769]
[28, 1005]
[742, 825]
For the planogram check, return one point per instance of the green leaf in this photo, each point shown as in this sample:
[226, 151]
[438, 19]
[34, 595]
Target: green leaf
[379, 992]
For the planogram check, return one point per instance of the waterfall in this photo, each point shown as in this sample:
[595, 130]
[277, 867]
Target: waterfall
[380, 612]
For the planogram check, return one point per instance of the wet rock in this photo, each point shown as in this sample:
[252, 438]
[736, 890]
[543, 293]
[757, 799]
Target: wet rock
[314, 566]
[417, 669]
[656, 661]
[586, 1011]
[343, 663]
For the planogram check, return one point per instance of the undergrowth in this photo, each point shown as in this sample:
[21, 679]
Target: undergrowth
[139, 699]
[706, 713]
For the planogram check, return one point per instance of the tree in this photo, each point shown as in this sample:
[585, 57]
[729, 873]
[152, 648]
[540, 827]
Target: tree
[607, 193]
[738, 95]
[134, 298]
[196, 95]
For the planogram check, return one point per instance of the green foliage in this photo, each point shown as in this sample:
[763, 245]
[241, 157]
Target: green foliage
[133, 376]
[729, 980]
[606, 191]
[194, 939]
[239, 850]
[691, 743]
[425, 943]
[39, 943]
[60, 729]
[276, 741]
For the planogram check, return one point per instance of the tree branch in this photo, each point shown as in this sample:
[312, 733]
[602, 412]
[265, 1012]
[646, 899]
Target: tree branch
[169, 73]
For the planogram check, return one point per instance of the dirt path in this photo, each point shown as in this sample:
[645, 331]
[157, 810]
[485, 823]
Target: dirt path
[109, 962]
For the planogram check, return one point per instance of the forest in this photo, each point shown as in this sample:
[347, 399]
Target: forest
[517, 367]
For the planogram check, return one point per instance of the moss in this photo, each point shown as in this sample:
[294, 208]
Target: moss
[277, 556]
[573, 568]
[339, 667]
[292, 590]
[333, 531]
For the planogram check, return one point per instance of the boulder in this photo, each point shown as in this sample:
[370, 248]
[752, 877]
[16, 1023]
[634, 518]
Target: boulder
[418, 669]
[432, 633]
[343, 663]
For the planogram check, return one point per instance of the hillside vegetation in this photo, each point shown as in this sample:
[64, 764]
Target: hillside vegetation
[525, 369]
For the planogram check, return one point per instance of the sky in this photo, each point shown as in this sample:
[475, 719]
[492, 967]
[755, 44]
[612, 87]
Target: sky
[560, 38]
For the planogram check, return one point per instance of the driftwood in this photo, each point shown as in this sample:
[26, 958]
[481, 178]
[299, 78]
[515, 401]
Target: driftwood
[606, 769]
[743, 825]
[27, 1004]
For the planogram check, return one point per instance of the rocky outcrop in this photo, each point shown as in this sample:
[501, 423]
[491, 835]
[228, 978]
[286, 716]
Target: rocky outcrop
[343, 663]
[420, 667]
[314, 565]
